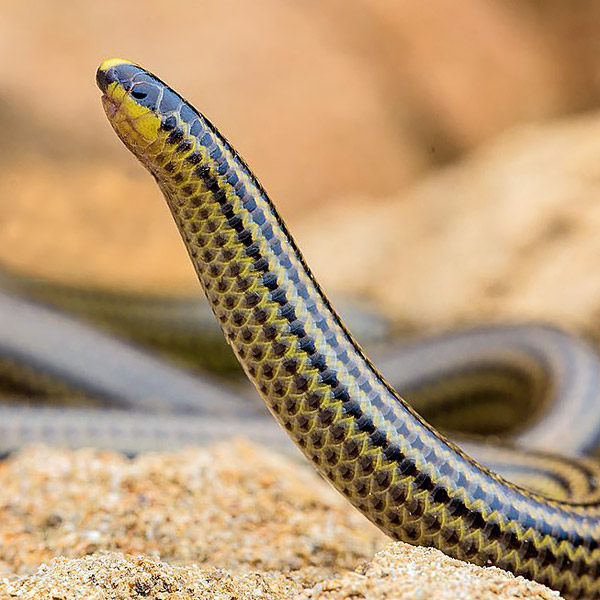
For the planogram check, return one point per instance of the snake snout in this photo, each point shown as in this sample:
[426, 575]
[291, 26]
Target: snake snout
[102, 80]
[117, 70]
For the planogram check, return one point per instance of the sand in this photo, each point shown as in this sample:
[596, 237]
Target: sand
[231, 521]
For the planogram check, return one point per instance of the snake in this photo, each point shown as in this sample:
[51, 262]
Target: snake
[404, 475]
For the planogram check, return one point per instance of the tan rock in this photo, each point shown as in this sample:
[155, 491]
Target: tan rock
[511, 233]
[120, 577]
[300, 108]
[403, 572]
[91, 223]
[462, 72]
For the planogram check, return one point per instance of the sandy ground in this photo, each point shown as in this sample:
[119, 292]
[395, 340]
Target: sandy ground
[232, 521]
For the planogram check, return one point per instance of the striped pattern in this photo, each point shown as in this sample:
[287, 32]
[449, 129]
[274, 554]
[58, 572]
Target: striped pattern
[371, 445]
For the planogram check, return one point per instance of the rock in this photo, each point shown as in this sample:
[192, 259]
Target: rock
[461, 73]
[403, 572]
[510, 233]
[298, 106]
[122, 577]
[90, 223]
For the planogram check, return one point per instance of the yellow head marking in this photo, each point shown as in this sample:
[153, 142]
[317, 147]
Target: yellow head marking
[127, 114]
[114, 62]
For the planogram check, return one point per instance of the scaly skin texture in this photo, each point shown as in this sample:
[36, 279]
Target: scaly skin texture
[396, 469]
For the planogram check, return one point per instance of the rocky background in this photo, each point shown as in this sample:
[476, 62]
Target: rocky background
[441, 161]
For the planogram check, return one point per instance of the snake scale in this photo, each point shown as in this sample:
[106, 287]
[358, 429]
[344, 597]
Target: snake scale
[406, 477]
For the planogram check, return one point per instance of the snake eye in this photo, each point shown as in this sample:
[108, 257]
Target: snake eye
[144, 93]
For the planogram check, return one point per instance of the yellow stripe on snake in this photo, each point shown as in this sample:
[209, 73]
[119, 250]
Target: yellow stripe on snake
[394, 467]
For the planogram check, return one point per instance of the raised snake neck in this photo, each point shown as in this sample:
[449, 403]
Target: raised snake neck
[401, 473]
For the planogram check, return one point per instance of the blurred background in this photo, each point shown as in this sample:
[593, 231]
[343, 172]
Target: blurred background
[440, 162]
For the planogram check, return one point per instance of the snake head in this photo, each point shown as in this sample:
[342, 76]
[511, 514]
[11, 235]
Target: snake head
[134, 101]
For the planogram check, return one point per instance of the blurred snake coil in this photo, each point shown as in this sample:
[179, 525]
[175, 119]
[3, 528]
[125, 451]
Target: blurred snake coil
[401, 473]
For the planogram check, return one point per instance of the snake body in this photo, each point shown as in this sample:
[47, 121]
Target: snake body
[90, 364]
[487, 379]
[400, 472]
